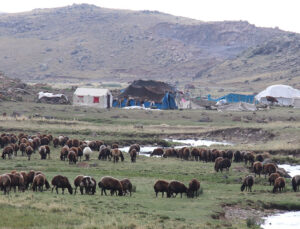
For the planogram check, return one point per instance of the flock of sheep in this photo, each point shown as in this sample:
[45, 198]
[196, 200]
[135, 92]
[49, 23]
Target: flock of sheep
[74, 149]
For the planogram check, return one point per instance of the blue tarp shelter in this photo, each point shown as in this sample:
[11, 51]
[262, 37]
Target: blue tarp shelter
[234, 98]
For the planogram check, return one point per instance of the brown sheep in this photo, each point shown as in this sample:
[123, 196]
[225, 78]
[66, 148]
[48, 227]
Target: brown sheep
[237, 156]
[29, 152]
[186, 154]
[214, 155]
[69, 143]
[133, 154]
[161, 186]
[62, 182]
[257, 168]
[224, 164]
[55, 142]
[8, 150]
[229, 154]
[176, 187]
[5, 183]
[88, 184]
[127, 186]
[259, 157]
[77, 182]
[43, 152]
[112, 184]
[23, 148]
[204, 155]
[116, 153]
[36, 143]
[114, 146]
[249, 157]
[15, 181]
[15, 148]
[195, 152]
[136, 147]
[273, 177]
[279, 184]
[217, 162]
[38, 182]
[296, 182]
[157, 152]
[29, 178]
[104, 153]
[75, 143]
[171, 152]
[72, 157]
[269, 168]
[24, 174]
[45, 141]
[64, 152]
[194, 186]
[247, 183]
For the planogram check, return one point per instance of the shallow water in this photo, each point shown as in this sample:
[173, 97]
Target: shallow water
[146, 150]
[291, 169]
[287, 220]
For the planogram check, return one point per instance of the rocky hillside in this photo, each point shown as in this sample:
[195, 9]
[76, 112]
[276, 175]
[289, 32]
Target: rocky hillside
[87, 42]
[273, 62]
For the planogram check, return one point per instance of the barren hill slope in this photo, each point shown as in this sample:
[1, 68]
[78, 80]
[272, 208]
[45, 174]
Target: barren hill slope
[92, 43]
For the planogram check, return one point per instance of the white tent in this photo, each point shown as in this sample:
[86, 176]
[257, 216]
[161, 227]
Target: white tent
[283, 93]
[296, 102]
[97, 97]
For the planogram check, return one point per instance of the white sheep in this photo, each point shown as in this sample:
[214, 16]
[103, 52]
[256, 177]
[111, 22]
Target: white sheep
[87, 152]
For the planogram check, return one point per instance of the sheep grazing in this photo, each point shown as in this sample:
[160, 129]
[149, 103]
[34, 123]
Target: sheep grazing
[24, 174]
[273, 177]
[45, 141]
[269, 168]
[228, 154]
[77, 182]
[247, 183]
[114, 146]
[87, 152]
[127, 186]
[257, 168]
[55, 142]
[249, 157]
[116, 153]
[62, 182]
[259, 157]
[72, 157]
[296, 182]
[112, 184]
[5, 183]
[136, 147]
[217, 163]
[23, 148]
[29, 178]
[224, 164]
[29, 152]
[17, 180]
[194, 186]
[75, 143]
[79, 153]
[43, 152]
[88, 184]
[237, 156]
[161, 186]
[204, 155]
[157, 152]
[15, 148]
[133, 154]
[171, 152]
[186, 153]
[176, 187]
[38, 182]
[8, 150]
[279, 184]
[104, 153]
[64, 152]
[195, 153]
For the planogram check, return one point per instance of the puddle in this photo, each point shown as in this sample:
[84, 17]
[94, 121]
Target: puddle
[287, 220]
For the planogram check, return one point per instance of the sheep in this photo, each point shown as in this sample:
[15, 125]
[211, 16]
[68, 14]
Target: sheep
[75, 143]
[36, 143]
[136, 147]
[15, 148]
[114, 146]
[279, 184]
[62, 182]
[77, 181]
[87, 152]
[228, 154]
[176, 187]
[8, 150]
[157, 152]
[217, 162]
[29, 152]
[214, 155]
[127, 186]
[23, 148]
[43, 152]
[55, 142]
[45, 141]
[24, 174]
[133, 155]
[116, 154]
[247, 183]
[88, 184]
[161, 186]
[259, 157]
[269, 168]
[186, 153]
[194, 186]
[112, 184]
[104, 153]
[38, 182]
[72, 157]
[64, 152]
[273, 177]
[237, 156]
[204, 155]
[195, 152]
[79, 153]
[224, 164]
[69, 143]
[249, 157]
[171, 152]
[257, 168]
[29, 178]
[296, 182]
[5, 183]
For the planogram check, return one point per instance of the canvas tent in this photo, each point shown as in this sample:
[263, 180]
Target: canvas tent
[296, 102]
[97, 97]
[284, 94]
[149, 94]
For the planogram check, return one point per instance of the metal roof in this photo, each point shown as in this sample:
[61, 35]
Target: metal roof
[91, 91]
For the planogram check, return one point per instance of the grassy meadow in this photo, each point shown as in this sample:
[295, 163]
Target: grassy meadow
[143, 209]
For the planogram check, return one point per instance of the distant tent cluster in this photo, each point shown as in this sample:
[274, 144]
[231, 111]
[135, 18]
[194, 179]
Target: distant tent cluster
[234, 98]
[148, 94]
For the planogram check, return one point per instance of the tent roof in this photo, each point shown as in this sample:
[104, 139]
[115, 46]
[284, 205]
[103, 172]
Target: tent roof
[277, 91]
[91, 91]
